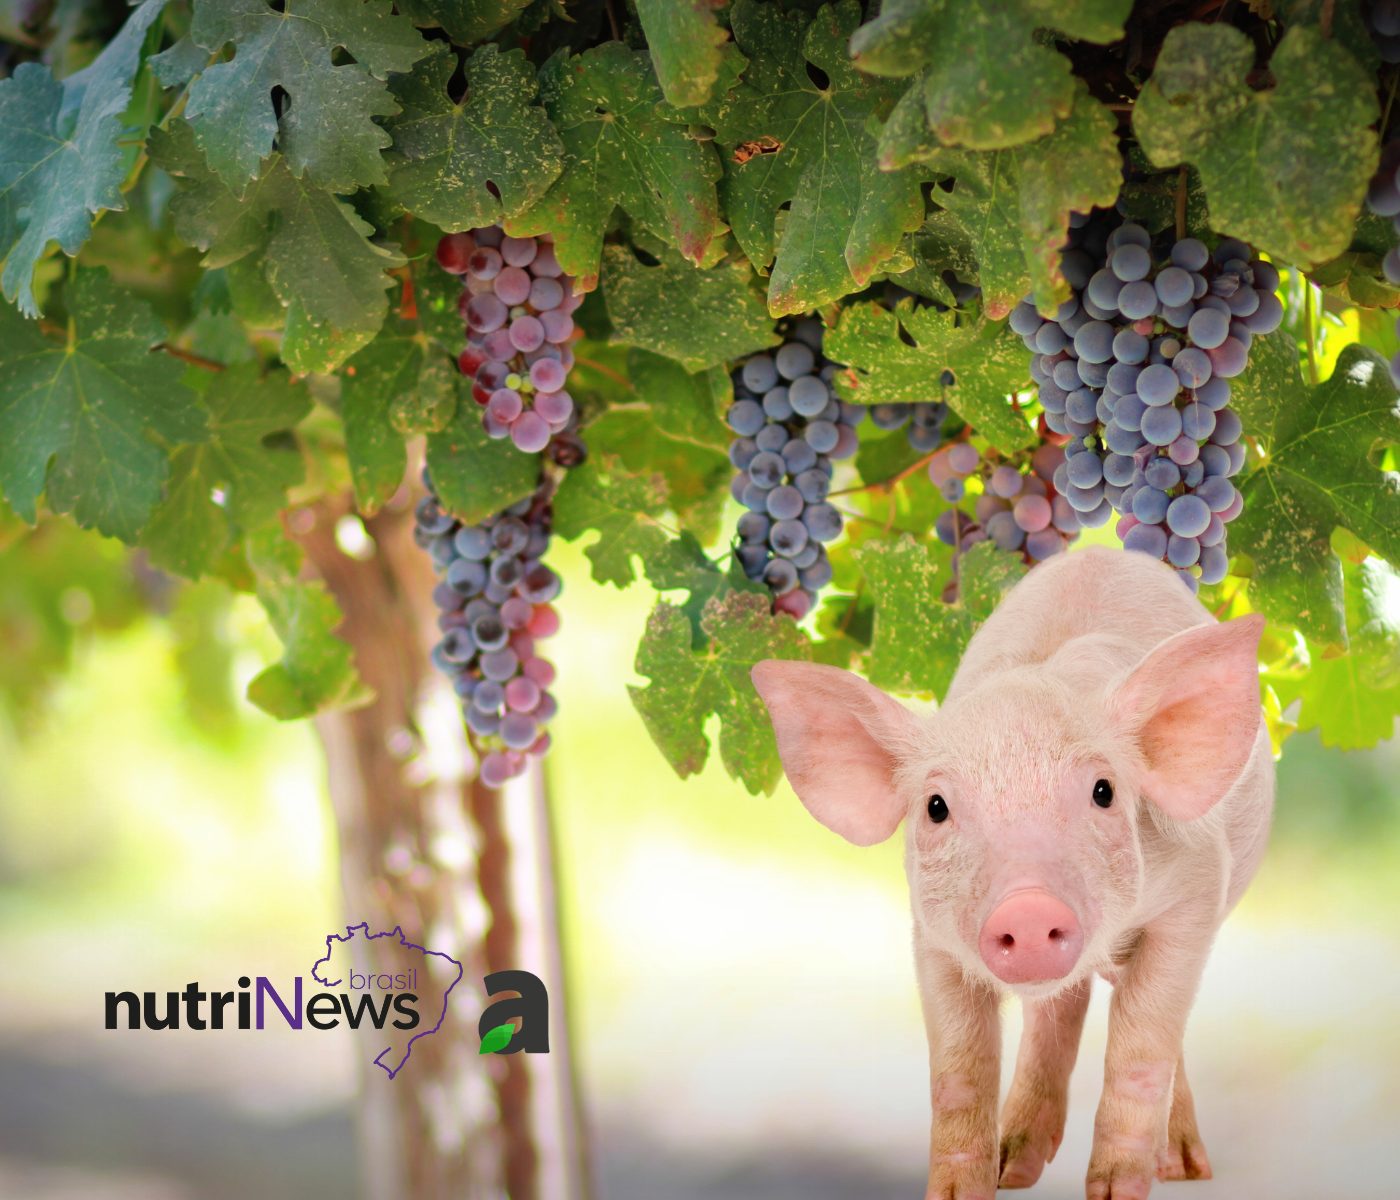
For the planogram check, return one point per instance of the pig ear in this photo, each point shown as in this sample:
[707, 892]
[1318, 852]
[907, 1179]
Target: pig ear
[1193, 707]
[837, 736]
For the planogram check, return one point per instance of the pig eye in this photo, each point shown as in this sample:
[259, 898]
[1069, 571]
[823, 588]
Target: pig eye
[937, 809]
[1103, 793]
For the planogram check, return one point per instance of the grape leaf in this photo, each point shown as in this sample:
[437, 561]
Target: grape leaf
[672, 428]
[989, 81]
[620, 151]
[311, 248]
[1014, 205]
[1320, 474]
[687, 46]
[1353, 699]
[788, 140]
[317, 670]
[465, 21]
[474, 475]
[1285, 168]
[190, 529]
[906, 576]
[698, 317]
[621, 508]
[689, 684]
[987, 360]
[403, 383]
[91, 420]
[467, 164]
[327, 128]
[62, 162]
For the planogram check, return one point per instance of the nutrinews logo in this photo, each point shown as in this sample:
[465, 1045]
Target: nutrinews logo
[403, 1004]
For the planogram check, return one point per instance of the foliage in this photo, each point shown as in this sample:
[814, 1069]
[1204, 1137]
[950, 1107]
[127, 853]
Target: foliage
[258, 322]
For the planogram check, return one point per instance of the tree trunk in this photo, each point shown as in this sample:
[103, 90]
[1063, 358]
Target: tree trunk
[462, 869]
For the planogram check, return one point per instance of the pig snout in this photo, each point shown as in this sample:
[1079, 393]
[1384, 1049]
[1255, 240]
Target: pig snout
[1031, 936]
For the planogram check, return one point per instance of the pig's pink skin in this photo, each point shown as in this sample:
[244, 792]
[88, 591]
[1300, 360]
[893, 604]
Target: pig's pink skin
[1098, 665]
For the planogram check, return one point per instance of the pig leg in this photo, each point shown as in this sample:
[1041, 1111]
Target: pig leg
[1145, 1027]
[1185, 1154]
[1033, 1121]
[964, 1037]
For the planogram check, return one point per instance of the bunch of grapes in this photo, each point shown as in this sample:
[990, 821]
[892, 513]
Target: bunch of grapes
[493, 600]
[1017, 508]
[925, 420]
[789, 427]
[1134, 368]
[517, 304]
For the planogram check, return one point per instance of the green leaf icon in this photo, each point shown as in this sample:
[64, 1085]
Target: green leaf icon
[497, 1039]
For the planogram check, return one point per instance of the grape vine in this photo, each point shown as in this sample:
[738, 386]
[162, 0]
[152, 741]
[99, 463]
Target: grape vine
[1125, 277]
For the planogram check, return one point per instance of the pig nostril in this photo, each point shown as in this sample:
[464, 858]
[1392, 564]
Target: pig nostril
[1056, 935]
[1007, 940]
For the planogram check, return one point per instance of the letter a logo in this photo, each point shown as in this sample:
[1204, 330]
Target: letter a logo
[530, 1006]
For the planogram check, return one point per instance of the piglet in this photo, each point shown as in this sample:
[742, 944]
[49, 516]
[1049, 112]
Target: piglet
[1092, 798]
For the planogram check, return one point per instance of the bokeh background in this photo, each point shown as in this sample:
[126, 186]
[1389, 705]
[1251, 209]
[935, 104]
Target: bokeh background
[740, 986]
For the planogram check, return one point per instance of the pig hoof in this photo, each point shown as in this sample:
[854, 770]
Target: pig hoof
[1023, 1157]
[1184, 1159]
[1118, 1181]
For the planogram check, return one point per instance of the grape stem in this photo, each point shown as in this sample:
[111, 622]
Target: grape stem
[852, 606]
[197, 360]
[1181, 204]
[1310, 331]
[885, 525]
[887, 485]
[594, 365]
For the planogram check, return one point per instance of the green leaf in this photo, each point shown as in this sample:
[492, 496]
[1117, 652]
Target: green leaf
[240, 460]
[688, 685]
[495, 1040]
[698, 317]
[465, 21]
[687, 46]
[317, 671]
[620, 508]
[91, 421]
[474, 475]
[989, 80]
[327, 128]
[1014, 205]
[403, 383]
[987, 360]
[469, 164]
[1321, 473]
[1285, 168]
[620, 151]
[906, 576]
[1353, 699]
[787, 141]
[61, 162]
[672, 428]
[310, 247]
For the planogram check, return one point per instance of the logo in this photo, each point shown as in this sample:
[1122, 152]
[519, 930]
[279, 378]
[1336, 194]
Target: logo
[402, 1001]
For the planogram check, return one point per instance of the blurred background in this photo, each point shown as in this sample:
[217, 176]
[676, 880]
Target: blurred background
[740, 986]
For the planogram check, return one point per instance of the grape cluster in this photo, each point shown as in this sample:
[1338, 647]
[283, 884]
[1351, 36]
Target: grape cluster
[1383, 199]
[1017, 508]
[789, 427]
[1134, 368]
[493, 599]
[517, 305]
[925, 420]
